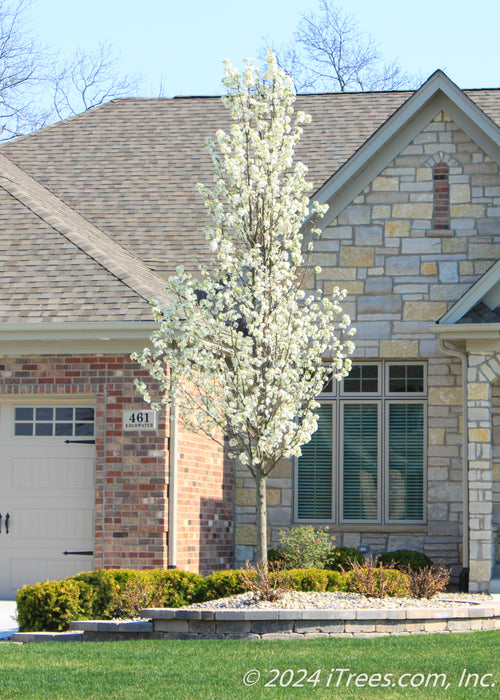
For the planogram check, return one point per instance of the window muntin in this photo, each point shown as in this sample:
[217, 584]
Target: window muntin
[362, 379]
[378, 446]
[405, 378]
[53, 421]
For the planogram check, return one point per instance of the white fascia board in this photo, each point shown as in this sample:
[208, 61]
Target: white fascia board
[436, 95]
[75, 338]
[486, 285]
[468, 331]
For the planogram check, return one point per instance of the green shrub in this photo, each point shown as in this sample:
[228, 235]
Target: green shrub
[305, 546]
[342, 558]
[175, 587]
[336, 581]
[307, 580]
[107, 585]
[404, 558]
[103, 595]
[376, 582]
[52, 605]
[221, 584]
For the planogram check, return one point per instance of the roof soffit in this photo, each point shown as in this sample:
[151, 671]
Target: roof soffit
[437, 94]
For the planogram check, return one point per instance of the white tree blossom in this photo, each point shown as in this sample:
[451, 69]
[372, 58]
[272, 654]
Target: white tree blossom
[244, 350]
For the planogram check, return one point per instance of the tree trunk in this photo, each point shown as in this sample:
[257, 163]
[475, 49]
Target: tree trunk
[261, 518]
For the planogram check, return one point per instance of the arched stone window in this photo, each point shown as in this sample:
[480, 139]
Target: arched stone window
[441, 184]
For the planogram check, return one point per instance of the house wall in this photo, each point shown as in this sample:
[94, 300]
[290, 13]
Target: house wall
[401, 276]
[132, 469]
[204, 505]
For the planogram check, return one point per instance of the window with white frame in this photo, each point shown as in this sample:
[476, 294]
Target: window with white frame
[366, 461]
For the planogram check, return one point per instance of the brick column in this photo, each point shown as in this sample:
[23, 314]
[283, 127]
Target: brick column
[483, 370]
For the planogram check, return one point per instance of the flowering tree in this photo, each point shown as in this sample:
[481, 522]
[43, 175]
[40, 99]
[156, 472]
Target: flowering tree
[242, 349]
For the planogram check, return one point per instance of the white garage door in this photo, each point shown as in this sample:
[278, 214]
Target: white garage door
[47, 456]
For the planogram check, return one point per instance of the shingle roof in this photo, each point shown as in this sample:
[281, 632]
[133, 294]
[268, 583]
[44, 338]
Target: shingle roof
[125, 173]
[57, 266]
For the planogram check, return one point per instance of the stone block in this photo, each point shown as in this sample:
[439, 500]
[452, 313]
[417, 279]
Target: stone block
[428, 268]
[398, 348]
[474, 211]
[320, 626]
[232, 627]
[421, 246]
[379, 304]
[355, 215]
[368, 235]
[412, 211]
[406, 265]
[385, 184]
[424, 310]
[356, 257]
[272, 626]
[459, 193]
[176, 626]
[378, 285]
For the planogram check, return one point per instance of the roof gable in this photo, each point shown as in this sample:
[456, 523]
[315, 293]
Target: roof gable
[437, 94]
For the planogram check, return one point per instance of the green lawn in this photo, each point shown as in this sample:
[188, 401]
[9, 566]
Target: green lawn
[216, 669]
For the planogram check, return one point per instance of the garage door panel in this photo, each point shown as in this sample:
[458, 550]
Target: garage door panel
[39, 524]
[33, 570]
[51, 473]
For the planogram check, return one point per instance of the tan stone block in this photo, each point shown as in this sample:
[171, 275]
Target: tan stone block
[352, 287]
[445, 396]
[397, 229]
[474, 211]
[436, 436]
[424, 310]
[351, 256]
[337, 274]
[455, 245]
[273, 496]
[247, 534]
[478, 391]
[412, 211]
[381, 211]
[385, 184]
[424, 174]
[459, 193]
[245, 497]
[479, 435]
[399, 348]
[496, 477]
[428, 268]
[466, 267]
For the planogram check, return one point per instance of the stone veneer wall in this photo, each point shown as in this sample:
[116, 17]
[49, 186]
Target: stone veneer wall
[401, 276]
[131, 477]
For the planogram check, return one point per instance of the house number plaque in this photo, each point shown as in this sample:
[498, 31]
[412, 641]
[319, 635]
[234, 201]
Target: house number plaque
[140, 420]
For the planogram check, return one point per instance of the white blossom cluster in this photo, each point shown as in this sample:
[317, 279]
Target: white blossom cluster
[244, 350]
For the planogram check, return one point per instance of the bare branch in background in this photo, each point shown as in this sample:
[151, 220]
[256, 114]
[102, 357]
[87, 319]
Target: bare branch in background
[89, 80]
[330, 53]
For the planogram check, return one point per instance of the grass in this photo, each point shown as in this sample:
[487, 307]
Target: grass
[193, 670]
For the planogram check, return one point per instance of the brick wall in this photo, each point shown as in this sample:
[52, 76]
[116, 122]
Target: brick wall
[131, 475]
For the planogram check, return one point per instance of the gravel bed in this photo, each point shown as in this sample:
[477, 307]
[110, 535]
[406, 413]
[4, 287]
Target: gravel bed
[298, 600]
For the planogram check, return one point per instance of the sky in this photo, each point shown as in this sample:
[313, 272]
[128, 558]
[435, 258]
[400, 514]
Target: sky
[182, 43]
